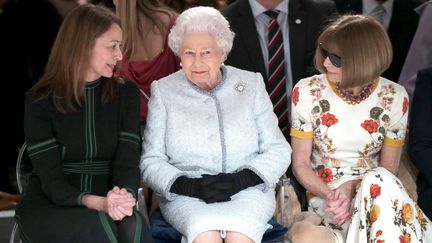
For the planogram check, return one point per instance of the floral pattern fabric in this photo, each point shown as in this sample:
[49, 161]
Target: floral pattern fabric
[347, 141]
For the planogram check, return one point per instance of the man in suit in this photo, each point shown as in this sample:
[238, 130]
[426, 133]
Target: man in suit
[304, 20]
[420, 54]
[420, 138]
[300, 22]
[399, 19]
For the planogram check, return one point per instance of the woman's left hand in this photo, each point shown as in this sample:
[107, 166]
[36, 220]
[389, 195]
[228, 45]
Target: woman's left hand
[339, 206]
[224, 185]
[119, 203]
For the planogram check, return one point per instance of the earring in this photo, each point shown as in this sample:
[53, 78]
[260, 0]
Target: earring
[181, 65]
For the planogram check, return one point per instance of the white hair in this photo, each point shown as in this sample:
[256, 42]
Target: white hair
[201, 20]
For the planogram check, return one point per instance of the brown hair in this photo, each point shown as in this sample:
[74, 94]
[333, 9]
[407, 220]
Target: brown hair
[363, 45]
[69, 60]
[128, 12]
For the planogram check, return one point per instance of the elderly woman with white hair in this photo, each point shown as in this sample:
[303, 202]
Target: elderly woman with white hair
[213, 150]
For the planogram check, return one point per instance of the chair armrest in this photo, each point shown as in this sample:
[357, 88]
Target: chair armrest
[141, 205]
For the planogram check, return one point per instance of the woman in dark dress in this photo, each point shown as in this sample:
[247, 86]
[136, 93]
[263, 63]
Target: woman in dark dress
[82, 129]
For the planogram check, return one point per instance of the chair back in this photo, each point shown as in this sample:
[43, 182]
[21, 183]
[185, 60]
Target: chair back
[23, 171]
[24, 168]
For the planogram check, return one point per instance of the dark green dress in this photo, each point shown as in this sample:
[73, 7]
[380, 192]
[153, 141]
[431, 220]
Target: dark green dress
[75, 153]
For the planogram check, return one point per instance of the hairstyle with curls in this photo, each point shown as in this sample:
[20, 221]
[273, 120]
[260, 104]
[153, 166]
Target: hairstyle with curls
[69, 59]
[201, 20]
[363, 45]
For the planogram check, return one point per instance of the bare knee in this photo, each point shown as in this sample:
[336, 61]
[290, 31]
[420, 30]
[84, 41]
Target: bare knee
[235, 237]
[212, 236]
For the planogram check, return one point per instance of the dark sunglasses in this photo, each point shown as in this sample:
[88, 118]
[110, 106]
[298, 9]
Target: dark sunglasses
[334, 59]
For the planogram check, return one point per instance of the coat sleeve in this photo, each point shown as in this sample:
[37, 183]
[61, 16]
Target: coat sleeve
[44, 152]
[126, 173]
[157, 172]
[274, 155]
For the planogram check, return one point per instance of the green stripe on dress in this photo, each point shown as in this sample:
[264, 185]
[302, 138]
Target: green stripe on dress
[138, 227]
[100, 167]
[91, 118]
[38, 145]
[107, 227]
[94, 128]
[41, 151]
[86, 128]
[79, 199]
[128, 140]
[130, 135]
[82, 183]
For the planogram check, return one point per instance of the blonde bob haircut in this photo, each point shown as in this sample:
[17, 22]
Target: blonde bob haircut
[201, 20]
[363, 45]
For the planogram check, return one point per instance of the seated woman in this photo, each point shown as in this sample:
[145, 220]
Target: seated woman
[420, 139]
[147, 57]
[82, 129]
[348, 128]
[212, 147]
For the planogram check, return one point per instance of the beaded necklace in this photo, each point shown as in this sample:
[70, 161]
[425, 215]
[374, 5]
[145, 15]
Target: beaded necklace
[352, 99]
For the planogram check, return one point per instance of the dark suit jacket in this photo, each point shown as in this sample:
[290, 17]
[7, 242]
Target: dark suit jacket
[420, 140]
[246, 52]
[403, 25]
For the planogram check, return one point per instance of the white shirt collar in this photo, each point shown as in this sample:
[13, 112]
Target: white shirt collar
[258, 9]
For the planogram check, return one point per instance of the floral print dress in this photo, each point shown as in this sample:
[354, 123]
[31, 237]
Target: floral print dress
[347, 141]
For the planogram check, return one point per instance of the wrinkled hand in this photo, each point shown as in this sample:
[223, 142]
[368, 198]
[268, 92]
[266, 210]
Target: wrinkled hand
[119, 203]
[339, 206]
[339, 202]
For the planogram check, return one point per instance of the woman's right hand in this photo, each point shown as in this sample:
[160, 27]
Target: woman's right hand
[119, 203]
[339, 201]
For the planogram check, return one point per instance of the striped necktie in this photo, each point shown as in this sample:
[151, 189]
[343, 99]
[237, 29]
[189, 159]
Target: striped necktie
[276, 84]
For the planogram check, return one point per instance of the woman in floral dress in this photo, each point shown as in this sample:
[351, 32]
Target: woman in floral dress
[348, 129]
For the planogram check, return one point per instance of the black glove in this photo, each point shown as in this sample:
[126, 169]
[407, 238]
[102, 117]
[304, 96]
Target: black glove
[192, 187]
[225, 185]
[187, 186]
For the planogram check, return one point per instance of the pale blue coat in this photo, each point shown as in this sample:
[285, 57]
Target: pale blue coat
[192, 132]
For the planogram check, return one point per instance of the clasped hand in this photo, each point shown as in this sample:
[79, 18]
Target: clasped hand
[220, 187]
[215, 188]
[119, 203]
[339, 202]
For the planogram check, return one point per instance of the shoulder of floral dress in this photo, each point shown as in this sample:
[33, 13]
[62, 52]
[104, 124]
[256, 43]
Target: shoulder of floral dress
[307, 86]
[397, 87]
[310, 81]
